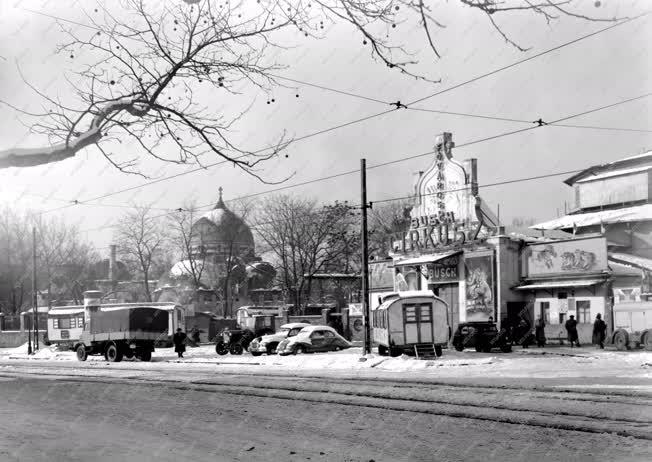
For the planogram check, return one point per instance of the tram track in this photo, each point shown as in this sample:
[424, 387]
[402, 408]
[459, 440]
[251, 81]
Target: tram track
[584, 411]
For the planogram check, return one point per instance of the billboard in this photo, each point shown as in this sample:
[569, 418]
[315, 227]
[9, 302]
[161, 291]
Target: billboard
[381, 275]
[480, 302]
[567, 257]
[443, 271]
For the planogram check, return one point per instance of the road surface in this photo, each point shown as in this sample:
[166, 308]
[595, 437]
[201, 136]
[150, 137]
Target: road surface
[58, 413]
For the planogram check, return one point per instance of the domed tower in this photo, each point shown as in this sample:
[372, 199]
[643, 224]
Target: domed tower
[220, 234]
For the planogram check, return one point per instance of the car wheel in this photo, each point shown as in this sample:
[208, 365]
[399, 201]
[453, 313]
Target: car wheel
[271, 348]
[256, 353]
[394, 352]
[113, 353]
[236, 349]
[81, 353]
[337, 348]
[478, 348]
[221, 349]
[382, 350]
[299, 350]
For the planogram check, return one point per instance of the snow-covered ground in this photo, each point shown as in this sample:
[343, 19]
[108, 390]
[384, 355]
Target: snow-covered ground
[606, 368]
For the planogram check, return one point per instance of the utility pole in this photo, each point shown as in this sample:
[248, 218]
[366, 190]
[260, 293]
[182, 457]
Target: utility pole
[365, 258]
[34, 295]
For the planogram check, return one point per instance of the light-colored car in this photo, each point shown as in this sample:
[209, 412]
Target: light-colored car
[268, 343]
[313, 339]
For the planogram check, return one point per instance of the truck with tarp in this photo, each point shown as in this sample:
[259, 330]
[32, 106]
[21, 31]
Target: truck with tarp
[128, 330]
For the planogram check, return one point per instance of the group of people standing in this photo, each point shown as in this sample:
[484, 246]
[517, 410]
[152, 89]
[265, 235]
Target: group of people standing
[524, 332]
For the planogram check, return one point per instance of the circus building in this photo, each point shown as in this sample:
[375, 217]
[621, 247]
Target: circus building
[221, 269]
[456, 248]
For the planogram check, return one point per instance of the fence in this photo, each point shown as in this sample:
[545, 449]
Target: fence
[10, 322]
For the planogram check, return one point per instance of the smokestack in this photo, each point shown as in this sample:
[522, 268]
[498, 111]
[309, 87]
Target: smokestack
[112, 262]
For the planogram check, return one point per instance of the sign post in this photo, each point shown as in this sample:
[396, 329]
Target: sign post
[365, 258]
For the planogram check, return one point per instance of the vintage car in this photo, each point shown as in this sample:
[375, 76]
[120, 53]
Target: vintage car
[268, 343]
[311, 340]
[483, 336]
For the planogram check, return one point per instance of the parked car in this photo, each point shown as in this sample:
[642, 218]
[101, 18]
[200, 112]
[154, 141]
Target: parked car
[482, 335]
[313, 339]
[268, 343]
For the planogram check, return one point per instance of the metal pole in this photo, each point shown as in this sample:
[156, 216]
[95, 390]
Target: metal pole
[365, 258]
[34, 296]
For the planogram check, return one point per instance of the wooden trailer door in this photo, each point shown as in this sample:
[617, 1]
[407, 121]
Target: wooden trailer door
[418, 322]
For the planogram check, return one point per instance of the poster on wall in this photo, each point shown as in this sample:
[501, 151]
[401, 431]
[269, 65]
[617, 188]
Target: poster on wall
[381, 275]
[573, 256]
[480, 301]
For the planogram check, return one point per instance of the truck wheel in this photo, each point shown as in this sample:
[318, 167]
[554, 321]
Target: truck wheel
[647, 341]
[129, 353]
[438, 351]
[145, 356]
[221, 349]
[81, 353]
[621, 340]
[113, 353]
[394, 352]
[382, 350]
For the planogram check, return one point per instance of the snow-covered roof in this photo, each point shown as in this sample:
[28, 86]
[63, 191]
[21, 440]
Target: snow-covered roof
[620, 269]
[127, 306]
[66, 311]
[612, 173]
[294, 325]
[561, 283]
[623, 215]
[423, 259]
[595, 170]
[630, 259]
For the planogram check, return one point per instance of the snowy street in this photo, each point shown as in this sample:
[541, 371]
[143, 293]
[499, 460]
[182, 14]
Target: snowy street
[526, 405]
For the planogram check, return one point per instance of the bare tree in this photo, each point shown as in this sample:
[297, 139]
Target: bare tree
[150, 61]
[387, 221]
[305, 239]
[15, 273]
[62, 256]
[141, 240]
[183, 237]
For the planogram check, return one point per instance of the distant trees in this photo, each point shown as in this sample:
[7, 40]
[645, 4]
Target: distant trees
[142, 244]
[387, 221]
[305, 239]
[64, 259]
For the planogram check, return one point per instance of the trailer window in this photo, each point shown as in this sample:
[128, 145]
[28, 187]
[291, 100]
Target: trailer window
[425, 312]
[410, 313]
[62, 323]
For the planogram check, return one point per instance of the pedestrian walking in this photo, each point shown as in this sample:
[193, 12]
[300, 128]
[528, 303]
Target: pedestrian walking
[524, 333]
[599, 331]
[179, 340]
[539, 332]
[571, 330]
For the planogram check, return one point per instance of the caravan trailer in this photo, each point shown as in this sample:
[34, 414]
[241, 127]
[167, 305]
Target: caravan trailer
[412, 322]
[65, 325]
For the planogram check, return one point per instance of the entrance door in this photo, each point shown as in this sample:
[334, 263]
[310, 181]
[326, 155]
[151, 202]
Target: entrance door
[450, 294]
[418, 323]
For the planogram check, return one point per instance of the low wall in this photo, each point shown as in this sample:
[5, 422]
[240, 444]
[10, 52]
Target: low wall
[554, 332]
[13, 339]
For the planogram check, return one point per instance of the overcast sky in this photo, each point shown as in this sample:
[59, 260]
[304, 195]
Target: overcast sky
[601, 70]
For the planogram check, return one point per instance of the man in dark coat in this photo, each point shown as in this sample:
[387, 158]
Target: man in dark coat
[571, 329]
[599, 331]
[179, 340]
[539, 332]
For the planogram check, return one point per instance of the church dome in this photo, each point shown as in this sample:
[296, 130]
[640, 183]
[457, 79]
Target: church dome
[220, 231]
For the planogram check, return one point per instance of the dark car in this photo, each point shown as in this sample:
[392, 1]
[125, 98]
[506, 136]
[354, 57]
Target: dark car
[483, 336]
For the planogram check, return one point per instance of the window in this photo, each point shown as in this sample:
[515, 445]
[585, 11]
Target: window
[80, 322]
[545, 312]
[410, 313]
[55, 323]
[425, 312]
[317, 334]
[63, 323]
[583, 311]
[329, 334]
